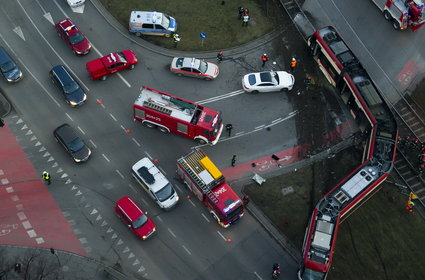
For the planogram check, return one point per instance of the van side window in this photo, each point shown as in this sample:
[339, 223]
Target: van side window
[147, 26]
[157, 26]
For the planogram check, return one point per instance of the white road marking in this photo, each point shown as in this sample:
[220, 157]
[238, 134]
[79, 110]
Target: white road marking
[162, 170]
[107, 159]
[135, 141]
[41, 7]
[93, 144]
[187, 250]
[260, 126]
[82, 131]
[172, 233]
[112, 116]
[48, 16]
[60, 8]
[258, 276]
[124, 80]
[132, 187]
[123, 128]
[276, 120]
[223, 96]
[222, 236]
[178, 188]
[69, 117]
[191, 202]
[205, 217]
[47, 42]
[149, 156]
[119, 173]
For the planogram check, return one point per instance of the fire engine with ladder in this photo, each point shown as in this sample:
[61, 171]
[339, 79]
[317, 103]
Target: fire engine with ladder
[208, 184]
[403, 13]
[168, 113]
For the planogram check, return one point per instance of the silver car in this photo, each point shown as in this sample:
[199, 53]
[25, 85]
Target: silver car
[193, 67]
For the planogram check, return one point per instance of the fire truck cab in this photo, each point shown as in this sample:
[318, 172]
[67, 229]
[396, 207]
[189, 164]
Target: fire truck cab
[208, 184]
[168, 113]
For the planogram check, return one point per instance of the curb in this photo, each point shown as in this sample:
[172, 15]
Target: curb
[5, 106]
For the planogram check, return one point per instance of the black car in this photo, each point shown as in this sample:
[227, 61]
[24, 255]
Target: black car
[73, 144]
[71, 90]
[8, 67]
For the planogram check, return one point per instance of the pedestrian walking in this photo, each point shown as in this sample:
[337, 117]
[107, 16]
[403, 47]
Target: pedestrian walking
[1, 122]
[176, 39]
[241, 10]
[233, 160]
[229, 127]
[220, 56]
[17, 267]
[264, 59]
[245, 200]
[245, 18]
[293, 64]
[46, 177]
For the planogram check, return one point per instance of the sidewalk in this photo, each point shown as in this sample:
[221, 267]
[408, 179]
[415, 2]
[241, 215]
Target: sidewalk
[42, 263]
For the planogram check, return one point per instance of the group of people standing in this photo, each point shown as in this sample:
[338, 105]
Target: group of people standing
[243, 15]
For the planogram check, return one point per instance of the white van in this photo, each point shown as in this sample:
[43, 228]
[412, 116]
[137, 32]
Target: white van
[154, 183]
[152, 23]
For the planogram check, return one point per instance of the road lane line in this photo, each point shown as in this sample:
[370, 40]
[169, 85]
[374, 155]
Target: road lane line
[47, 42]
[82, 131]
[205, 217]
[112, 116]
[132, 187]
[260, 126]
[172, 233]
[119, 173]
[187, 250]
[107, 159]
[149, 156]
[60, 8]
[220, 97]
[180, 190]
[159, 218]
[135, 141]
[258, 276]
[191, 202]
[276, 120]
[222, 236]
[94, 145]
[69, 117]
[162, 170]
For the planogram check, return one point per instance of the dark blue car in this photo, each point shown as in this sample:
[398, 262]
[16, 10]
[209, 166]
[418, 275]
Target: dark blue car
[69, 87]
[8, 67]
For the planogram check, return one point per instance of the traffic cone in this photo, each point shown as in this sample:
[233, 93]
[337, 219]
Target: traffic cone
[187, 196]
[127, 131]
[228, 240]
[155, 160]
[99, 102]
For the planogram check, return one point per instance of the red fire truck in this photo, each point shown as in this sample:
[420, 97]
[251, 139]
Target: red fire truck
[168, 113]
[402, 13]
[207, 183]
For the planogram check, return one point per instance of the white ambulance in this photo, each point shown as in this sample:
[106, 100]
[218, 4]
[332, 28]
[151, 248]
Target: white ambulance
[152, 23]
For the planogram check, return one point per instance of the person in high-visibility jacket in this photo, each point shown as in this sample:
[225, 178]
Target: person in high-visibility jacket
[293, 64]
[46, 177]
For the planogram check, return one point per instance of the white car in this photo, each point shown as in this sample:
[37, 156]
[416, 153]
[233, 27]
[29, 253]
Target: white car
[268, 81]
[193, 67]
[75, 3]
[154, 183]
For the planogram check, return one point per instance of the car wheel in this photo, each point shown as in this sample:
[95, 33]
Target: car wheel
[148, 124]
[167, 35]
[207, 79]
[387, 15]
[254, 91]
[396, 25]
[104, 78]
[132, 67]
[138, 34]
[201, 141]
[163, 129]
[179, 74]
[284, 90]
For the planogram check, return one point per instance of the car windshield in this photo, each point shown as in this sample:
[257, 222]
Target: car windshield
[313, 275]
[276, 77]
[165, 21]
[122, 57]
[71, 87]
[165, 193]
[76, 38]
[8, 66]
[203, 66]
[252, 80]
[140, 221]
[76, 145]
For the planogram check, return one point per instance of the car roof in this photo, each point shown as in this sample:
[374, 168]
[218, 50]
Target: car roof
[4, 56]
[146, 169]
[191, 62]
[266, 77]
[66, 132]
[129, 208]
[68, 27]
[146, 17]
[62, 73]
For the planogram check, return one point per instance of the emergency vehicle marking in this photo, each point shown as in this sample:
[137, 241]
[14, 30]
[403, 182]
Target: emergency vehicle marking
[153, 117]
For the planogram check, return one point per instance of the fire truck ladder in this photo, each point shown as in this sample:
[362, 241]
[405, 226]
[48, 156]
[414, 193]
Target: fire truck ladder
[194, 159]
[156, 107]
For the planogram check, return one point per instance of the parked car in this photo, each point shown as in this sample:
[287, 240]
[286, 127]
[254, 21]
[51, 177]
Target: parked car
[155, 183]
[112, 63]
[193, 67]
[8, 67]
[73, 37]
[268, 81]
[75, 3]
[69, 87]
[135, 218]
[152, 23]
[72, 143]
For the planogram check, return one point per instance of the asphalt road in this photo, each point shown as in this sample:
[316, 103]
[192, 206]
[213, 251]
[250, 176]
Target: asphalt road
[394, 59]
[188, 245]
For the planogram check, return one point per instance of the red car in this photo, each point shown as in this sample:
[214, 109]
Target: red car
[134, 217]
[73, 37]
[113, 62]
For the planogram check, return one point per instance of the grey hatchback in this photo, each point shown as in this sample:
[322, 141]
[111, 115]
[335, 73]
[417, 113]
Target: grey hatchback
[73, 144]
[8, 67]
[71, 90]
